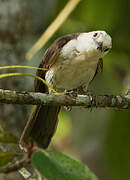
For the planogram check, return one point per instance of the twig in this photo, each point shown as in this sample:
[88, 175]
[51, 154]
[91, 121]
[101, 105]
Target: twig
[87, 101]
[16, 166]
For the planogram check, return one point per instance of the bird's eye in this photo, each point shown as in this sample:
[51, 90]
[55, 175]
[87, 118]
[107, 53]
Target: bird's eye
[107, 49]
[95, 34]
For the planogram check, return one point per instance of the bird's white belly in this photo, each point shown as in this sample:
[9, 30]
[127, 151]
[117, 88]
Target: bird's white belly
[71, 75]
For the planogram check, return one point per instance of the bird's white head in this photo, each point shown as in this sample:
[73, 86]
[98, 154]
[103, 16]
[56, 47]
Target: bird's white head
[92, 44]
[95, 42]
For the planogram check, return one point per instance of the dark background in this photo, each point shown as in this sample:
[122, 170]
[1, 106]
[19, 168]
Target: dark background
[101, 137]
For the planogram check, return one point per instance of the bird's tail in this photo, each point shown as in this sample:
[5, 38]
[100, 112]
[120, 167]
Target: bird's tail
[40, 126]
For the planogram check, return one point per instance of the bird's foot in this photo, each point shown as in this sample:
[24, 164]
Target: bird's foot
[72, 93]
[68, 108]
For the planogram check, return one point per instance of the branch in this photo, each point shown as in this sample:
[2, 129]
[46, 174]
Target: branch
[16, 166]
[88, 101]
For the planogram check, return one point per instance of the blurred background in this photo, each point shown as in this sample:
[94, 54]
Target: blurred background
[100, 138]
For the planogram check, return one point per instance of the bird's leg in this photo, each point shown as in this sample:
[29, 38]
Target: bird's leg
[72, 93]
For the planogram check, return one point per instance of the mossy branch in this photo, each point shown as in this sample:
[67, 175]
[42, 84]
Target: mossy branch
[87, 101]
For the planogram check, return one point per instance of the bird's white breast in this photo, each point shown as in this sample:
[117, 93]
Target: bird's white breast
[71, 74]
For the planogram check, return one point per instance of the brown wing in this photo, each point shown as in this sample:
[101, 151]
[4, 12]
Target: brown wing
[49, 59]
[99, 67]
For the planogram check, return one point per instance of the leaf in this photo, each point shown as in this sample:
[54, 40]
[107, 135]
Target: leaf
[6, 137]
[56, 166]
[6, 157]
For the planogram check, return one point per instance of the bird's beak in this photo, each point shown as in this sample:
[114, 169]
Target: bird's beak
[100, 46]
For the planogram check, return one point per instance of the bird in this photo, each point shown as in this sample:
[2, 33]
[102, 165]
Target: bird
[72, 62]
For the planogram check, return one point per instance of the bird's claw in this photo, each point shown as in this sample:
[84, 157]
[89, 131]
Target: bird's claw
[71, 93]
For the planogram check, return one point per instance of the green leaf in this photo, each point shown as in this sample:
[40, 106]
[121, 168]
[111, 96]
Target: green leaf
[56, 166]
[6, 157]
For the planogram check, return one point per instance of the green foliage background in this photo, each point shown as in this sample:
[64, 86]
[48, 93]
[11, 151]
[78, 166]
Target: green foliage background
[99, 137]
